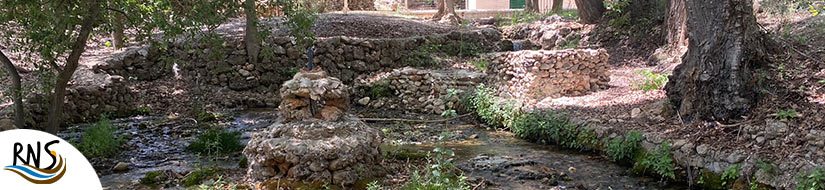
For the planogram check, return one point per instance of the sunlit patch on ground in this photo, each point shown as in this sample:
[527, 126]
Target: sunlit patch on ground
[621, 92]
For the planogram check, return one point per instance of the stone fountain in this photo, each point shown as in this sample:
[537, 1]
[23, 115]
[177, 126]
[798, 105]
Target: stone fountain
[317, 141]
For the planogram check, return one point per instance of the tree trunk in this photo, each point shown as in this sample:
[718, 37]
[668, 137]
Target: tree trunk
[590, 11]
[64, 76]
[557, 6]
[531, 6]
[446, 10]
[675, 23]
[16, 91]
[251, 37]
[117, 32]
[716, 80]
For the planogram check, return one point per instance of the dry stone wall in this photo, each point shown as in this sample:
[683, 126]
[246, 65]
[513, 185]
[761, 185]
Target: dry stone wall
[86, 103]
[550, 73]
[432, 91]
[226, 64]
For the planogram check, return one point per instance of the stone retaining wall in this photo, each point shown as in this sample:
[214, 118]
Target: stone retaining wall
[86, 103]
[342, 57]
[539, 74]
[429, 90]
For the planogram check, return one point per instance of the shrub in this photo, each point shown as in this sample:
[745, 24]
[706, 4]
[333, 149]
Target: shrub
[100, 140]
[438, 175]
[623, 148]
[731, 174]
[650, 81]
[216, 142]
[815, 180]
[786, 114]
[494, 110]
[659, 162]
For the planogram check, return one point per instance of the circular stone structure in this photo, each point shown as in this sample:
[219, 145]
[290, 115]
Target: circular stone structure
[317, 142]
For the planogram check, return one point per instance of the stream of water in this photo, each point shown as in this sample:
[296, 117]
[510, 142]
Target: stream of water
[157, 143]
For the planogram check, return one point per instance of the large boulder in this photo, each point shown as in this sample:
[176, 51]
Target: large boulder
[314, 150]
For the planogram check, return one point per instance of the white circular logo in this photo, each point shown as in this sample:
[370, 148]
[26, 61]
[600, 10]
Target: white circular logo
[37, 160]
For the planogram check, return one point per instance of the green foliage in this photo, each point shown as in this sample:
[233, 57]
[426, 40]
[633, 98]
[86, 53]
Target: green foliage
[616, 11]
[151, 178]
[659, 162]
[143, 110]
[374, 185]
[731, 174]
[216, 142]
[439, 174]
[378, 90]
[623, 148]
[767, 167]
[422, 56]
[786, 114]
[480, 64]
[492, 109]
[197, 176]
[300, 19]
[815, 180]
[289, 71]
[572, 42]
[199, 112]
[100, 139]
[815, 10]
[650, 81]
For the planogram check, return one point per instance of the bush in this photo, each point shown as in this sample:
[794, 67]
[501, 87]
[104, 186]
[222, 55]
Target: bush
[216, 142]
[623, 148]
[438, 175]
[650, 81]
[494, 110]
[659, 162]
[815, 180]
[731, 174]
[100, 139]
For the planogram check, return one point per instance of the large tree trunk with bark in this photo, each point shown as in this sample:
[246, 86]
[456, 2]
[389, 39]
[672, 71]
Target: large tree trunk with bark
[675, 23]
[590, 11]
[557, 6]
[446, 12]
[65, 75]
[717, 77]
[16, 91]
[251, 37]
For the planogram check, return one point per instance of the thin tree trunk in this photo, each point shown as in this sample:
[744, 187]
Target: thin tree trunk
[117, 32]
[590, 11]
[446, 8]
[64, 76]
[716, 80]
[16, 91]
[441, 9]
[557, 6]
[251, 37]
[675, 23]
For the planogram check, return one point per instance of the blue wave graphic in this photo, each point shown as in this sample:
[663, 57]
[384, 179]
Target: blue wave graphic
[29, 171]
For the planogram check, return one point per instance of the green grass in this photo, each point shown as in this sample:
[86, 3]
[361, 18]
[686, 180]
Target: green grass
[100, 140]
[650, 81]
[439, 174]
[216, 142]
[731, 174]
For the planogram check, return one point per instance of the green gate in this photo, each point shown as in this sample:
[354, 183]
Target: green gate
[517, 4]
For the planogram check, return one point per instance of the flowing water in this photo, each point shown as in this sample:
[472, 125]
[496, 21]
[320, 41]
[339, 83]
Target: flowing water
[495, 158]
